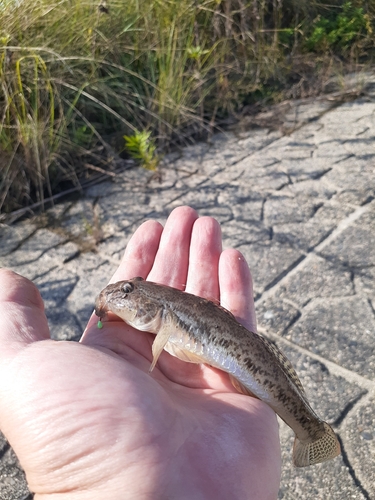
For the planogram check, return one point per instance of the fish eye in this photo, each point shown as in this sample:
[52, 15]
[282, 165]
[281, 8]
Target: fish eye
[127, 287]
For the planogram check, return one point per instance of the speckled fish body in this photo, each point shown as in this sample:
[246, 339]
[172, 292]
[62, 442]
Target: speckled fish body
[199, 331]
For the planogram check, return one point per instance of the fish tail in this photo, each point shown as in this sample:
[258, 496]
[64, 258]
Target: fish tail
[318, 450]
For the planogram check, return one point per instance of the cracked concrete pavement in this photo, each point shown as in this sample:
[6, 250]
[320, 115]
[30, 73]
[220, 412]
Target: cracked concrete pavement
[299, 202]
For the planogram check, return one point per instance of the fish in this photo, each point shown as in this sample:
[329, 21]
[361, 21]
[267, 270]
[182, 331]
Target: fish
[198, 330]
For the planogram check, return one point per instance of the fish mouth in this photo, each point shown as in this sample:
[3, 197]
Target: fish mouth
[101, 306]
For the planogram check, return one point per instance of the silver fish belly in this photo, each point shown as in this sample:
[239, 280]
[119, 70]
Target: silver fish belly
[199, 331]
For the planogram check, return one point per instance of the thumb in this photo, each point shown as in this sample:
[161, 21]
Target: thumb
[22, 318]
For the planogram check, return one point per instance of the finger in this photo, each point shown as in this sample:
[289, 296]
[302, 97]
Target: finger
[236, 287]
[140, 252]
[22, 318]
[205, 249]
[172, 258]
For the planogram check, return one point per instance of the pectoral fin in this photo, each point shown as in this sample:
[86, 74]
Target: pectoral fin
[160, 342]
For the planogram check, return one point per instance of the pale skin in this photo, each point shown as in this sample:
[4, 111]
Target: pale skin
[88, 421]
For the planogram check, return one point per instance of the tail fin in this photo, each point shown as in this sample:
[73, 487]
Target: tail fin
[324, 448]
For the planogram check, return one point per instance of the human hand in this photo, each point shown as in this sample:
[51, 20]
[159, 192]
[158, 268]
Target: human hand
[88, 421]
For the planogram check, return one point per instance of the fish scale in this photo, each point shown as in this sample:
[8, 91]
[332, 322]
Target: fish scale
[197, 330]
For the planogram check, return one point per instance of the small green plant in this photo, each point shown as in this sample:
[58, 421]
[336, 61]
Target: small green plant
[142, 148]
[196, 52]
[341, 31]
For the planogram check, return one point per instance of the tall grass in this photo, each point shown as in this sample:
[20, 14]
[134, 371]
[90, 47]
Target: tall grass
[78, 75]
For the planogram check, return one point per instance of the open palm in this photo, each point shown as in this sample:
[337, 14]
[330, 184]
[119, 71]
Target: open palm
[87, 420]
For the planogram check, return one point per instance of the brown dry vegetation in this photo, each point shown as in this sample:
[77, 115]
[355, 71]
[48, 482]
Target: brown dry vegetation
[78, 75]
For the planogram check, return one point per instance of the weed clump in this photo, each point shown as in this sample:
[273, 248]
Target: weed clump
[142, 148]
[342, 31]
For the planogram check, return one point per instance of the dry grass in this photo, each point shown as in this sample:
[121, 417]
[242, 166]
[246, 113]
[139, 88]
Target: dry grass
[78, 75]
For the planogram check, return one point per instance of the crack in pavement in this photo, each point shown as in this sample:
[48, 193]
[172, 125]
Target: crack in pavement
[348, 408]
[351, 470]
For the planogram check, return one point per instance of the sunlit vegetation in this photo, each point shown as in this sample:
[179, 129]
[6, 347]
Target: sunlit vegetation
[77, 76]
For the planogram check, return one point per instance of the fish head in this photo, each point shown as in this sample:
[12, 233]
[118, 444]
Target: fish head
[121, 298]
[132, 301]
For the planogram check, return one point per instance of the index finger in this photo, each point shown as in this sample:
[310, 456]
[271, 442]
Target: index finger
[236, 288]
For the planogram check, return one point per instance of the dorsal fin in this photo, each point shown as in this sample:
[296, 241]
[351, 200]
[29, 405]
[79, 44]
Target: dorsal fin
[286, 364]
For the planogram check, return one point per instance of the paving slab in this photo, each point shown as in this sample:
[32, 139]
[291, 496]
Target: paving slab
[299, 203]
[355, 247]
[13, 483]
[239, 232]
[358, 433]
[311, 189]
[301, 169]
[306, 234]
[364, 280]
[245, 203]
[355, 197]
[353, 171]
[12, 237]
[317, 279]
[342, 330]
[35, 247]
[269, 262]
[276, 314]
[279, 209]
